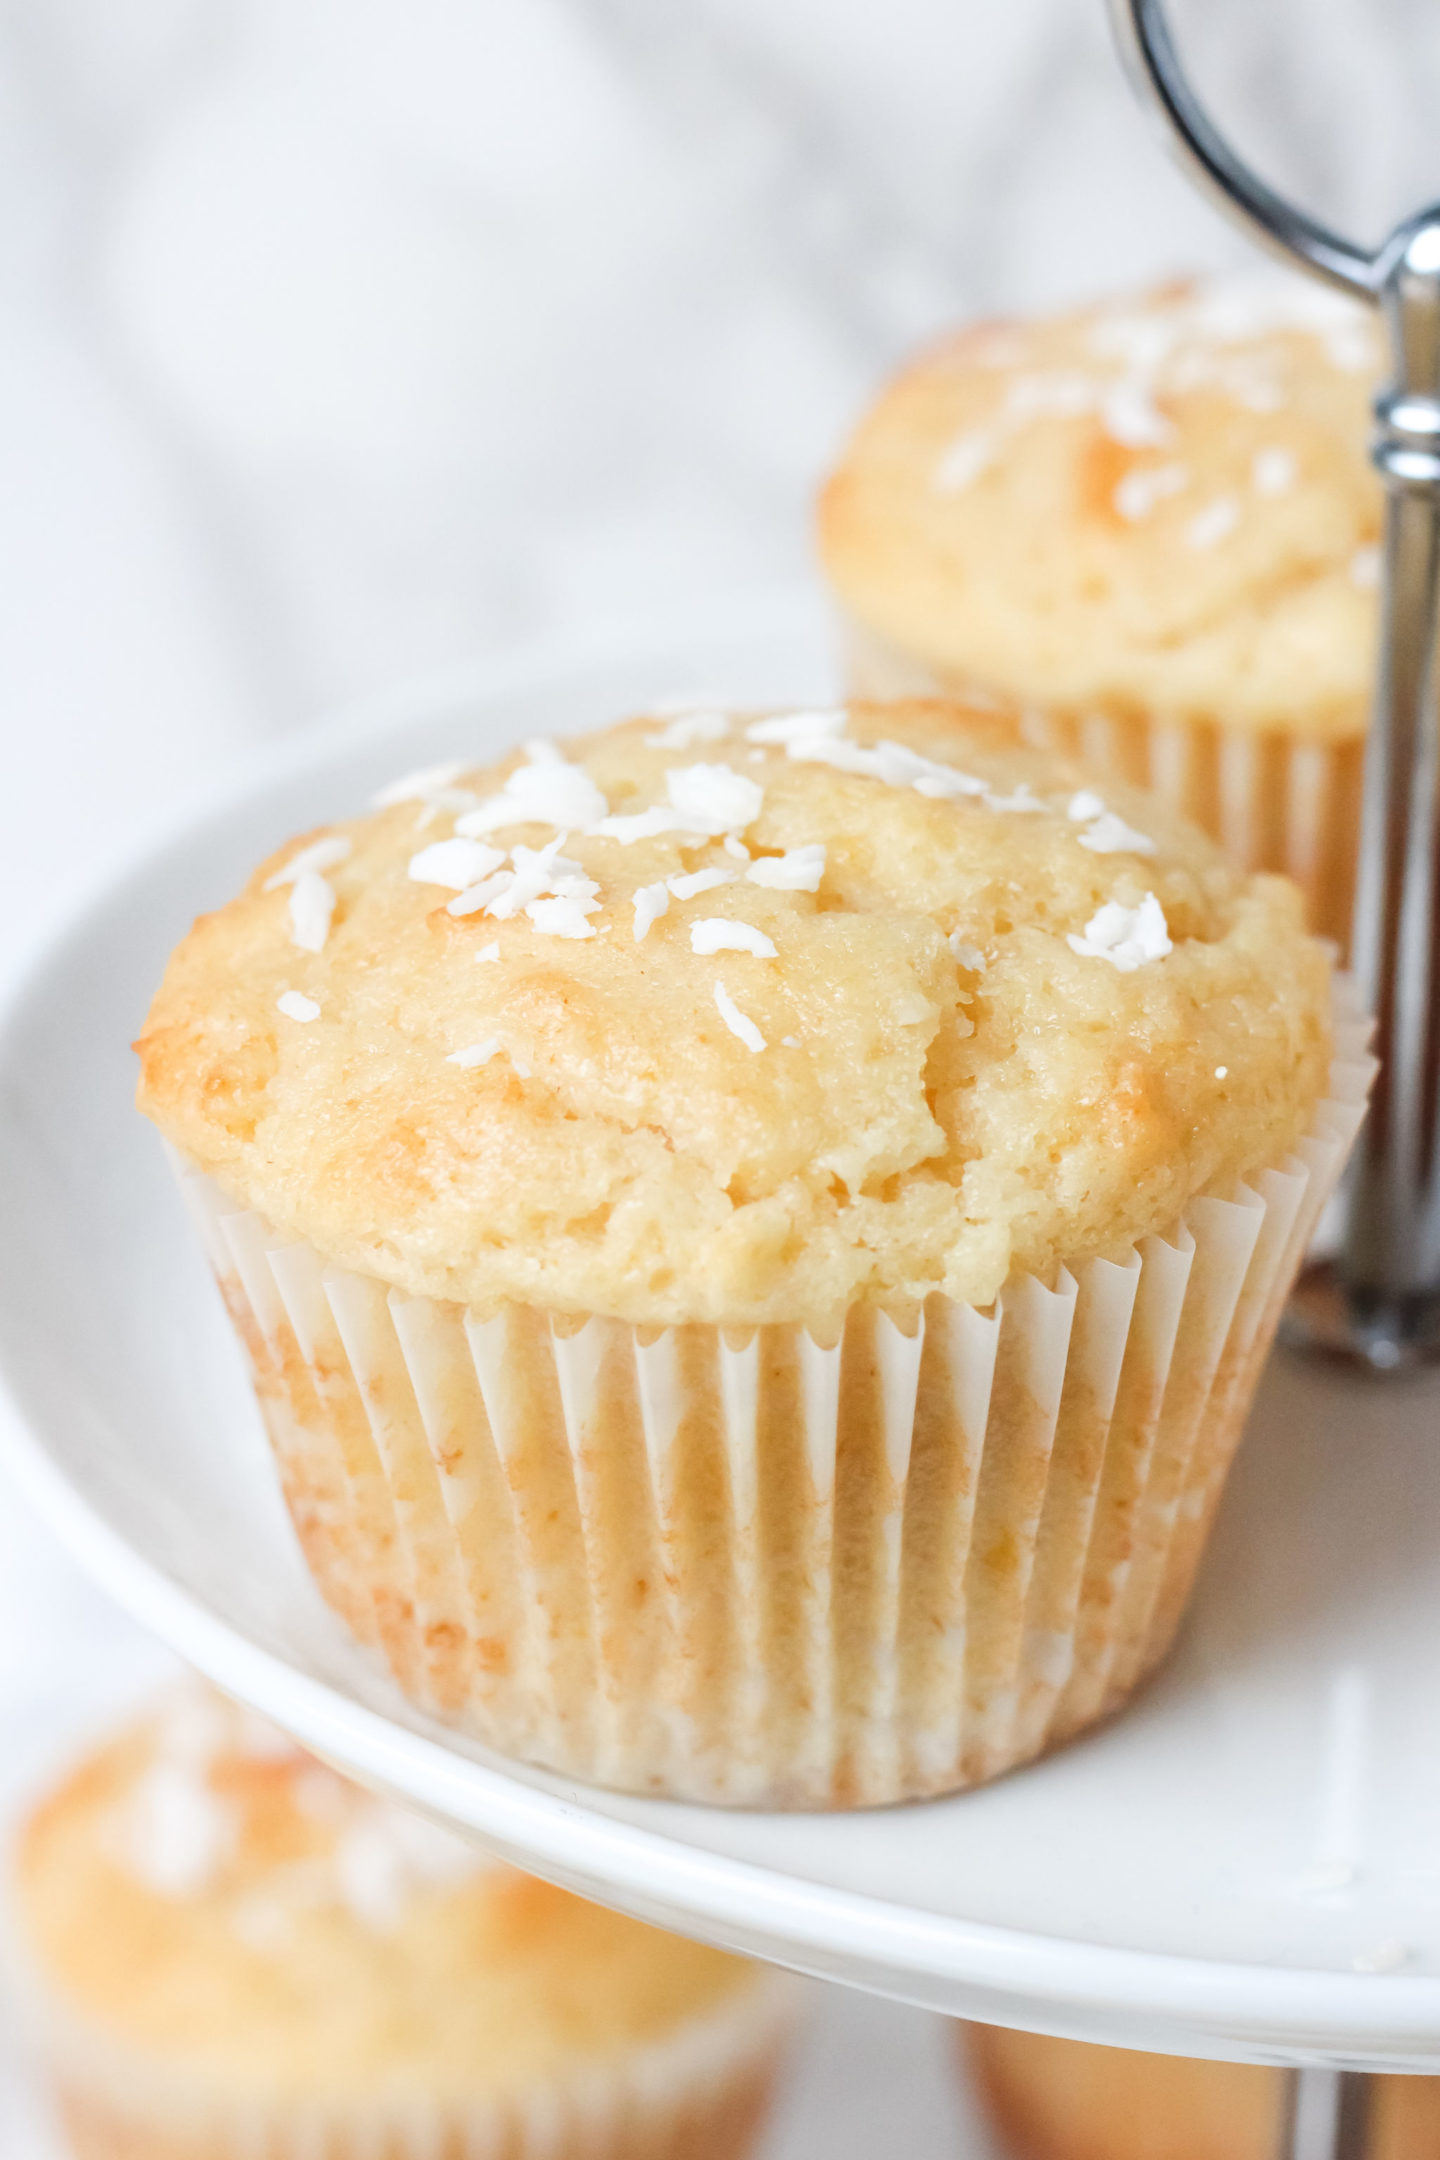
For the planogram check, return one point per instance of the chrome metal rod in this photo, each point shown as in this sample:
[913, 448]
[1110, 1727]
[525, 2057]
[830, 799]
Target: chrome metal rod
[1391, 1263]
[1327, 2115]
[1379, 1301]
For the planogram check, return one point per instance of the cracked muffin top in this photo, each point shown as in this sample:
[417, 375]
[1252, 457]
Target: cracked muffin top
[1163, 504]
[739, 1018]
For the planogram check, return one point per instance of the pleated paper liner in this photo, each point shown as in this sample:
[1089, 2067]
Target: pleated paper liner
[700, 2093]
[756, 1569]
[1274, 801]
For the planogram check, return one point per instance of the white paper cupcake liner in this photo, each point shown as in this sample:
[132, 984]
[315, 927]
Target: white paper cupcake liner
[1274, 801]
[699, 2093]
[757, 1569]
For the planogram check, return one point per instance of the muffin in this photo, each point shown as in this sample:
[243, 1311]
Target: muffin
[1066, 2100]
[223, 1948]
[1152, 524]
[754, 1235]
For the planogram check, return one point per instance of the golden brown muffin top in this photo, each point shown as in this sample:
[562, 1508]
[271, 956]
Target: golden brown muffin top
[737, 1020]
[1160, 504]
[203, 1894]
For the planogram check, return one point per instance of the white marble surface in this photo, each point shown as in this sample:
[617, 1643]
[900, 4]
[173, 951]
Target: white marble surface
[342, 340]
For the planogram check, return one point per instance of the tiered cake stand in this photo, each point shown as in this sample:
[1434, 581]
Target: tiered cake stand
[1247, 1864]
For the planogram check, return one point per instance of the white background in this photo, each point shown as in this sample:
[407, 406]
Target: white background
[342, 340]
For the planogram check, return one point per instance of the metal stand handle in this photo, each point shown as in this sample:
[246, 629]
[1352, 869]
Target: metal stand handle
[1327, 2115]
[1379, 1302]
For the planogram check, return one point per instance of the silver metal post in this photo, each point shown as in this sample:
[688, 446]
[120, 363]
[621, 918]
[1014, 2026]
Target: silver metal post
[1327, 2115]
[1378, 1301]
[1390, 1267]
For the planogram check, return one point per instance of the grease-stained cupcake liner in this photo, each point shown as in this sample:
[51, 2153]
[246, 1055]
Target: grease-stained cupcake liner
[700, 2093]
[753, 1568]
[1274, 801]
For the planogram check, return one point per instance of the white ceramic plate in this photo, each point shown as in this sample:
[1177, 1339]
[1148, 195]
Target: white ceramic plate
[1203, 1876]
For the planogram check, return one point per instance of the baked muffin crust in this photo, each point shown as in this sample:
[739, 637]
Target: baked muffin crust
[1162, 504]
[206, 1894]
[910, 1008]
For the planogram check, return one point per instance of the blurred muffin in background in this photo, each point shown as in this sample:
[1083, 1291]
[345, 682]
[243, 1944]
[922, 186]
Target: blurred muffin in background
[221, 1947]
[1065, 2100]
[1153, 525]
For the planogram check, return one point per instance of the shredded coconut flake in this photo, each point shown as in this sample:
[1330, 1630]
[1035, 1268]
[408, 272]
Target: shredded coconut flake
[546, 870]
[475, 898]
[720, 933]
[799, 869]
[1127, 937]
[689, 728]
[715, 797]
[559, 915]
[786, 728]
[546, 863]
[650, 903]
[546, 790]
[698, 881]
[547, 886]
[319, 855]
[961, 465]
[893, 763]
[475, 1053]
[1222, 1072]
[628, 826]
[1214, 523]
[1020, 802]
[735, 848]
[1148, 485]
[811, 739]
[421, 785]
[1110, 835]
[816, 739]
[789, 1042]
[391, 1854]
[455, 863]
[489, 952]
[312, 904]
[735, 1020]
[296, 1006]
[177, 1834]
[1084, 805]
[1129, 414]
[1274, 471]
